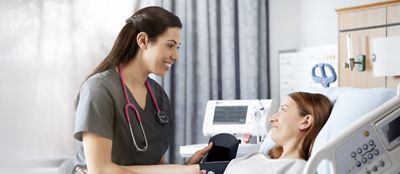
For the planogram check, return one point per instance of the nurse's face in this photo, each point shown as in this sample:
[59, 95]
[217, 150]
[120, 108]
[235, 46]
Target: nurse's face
[162, 53]
[285, 123]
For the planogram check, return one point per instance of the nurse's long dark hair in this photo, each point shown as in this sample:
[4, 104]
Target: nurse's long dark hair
[317, 105]
[153, 20]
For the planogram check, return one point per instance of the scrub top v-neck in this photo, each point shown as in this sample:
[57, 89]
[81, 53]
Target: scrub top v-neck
[101, 111]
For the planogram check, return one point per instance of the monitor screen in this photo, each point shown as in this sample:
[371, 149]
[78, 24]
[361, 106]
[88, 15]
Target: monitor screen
[230, 115]
[392, 130]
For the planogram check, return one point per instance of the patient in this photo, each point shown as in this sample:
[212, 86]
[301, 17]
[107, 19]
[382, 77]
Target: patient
[294, 129]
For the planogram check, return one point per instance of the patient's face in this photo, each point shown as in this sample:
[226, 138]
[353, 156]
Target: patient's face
[285, 123]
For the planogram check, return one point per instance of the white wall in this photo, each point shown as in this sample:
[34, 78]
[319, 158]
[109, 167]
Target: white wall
[297, 24]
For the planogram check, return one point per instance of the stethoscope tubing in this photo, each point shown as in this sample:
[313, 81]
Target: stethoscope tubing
[137, 114]
[152, 96]
[162, 117]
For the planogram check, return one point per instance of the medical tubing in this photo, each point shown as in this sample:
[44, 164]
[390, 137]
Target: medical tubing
[258, 132]
[145, 139]
[152, 96]
[128, 102]
[258, 120]
[134, 141]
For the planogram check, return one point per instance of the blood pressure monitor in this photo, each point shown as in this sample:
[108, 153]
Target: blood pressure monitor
[236, 117]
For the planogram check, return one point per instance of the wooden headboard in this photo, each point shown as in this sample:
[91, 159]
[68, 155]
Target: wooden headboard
[363, 23]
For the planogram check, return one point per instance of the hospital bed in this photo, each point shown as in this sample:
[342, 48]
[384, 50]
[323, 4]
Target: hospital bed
[356, 137]
[352, 140]
[368, 143]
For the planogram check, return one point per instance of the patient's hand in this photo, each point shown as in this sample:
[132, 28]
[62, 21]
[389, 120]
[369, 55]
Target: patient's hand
[195, 159]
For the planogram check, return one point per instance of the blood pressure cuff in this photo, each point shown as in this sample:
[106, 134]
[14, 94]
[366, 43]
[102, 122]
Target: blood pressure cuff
[224, 149]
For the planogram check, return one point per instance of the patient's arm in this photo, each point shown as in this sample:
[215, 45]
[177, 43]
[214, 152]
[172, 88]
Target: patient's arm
[98, 156]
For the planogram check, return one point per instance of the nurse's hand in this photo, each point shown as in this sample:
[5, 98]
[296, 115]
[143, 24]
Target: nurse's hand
[195, 159]
[81, 170]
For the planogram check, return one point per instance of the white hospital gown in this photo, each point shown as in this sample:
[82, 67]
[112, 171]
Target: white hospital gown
[257, 163]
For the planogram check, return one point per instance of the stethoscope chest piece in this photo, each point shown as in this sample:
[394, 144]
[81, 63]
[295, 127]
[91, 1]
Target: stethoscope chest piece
[161, 118]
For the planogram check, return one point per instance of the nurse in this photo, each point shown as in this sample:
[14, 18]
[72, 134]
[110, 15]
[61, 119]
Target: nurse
[123, 118]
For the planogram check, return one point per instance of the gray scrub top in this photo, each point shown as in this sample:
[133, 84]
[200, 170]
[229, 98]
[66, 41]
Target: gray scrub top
[100, 110]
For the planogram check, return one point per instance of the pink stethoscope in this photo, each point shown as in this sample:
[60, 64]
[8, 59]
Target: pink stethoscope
[161, 117]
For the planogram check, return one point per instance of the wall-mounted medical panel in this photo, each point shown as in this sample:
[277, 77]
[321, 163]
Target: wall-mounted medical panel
[360, 46]
[357, 26]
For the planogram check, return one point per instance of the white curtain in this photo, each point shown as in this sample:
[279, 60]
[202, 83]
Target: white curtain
[47, 48]
[223, 56]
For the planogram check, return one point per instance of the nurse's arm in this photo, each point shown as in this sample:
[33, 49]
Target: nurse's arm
[165, 169]
[98, 157]
[196, 158]
[162, 161]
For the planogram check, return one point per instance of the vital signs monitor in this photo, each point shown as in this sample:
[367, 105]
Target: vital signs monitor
[236, 117]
